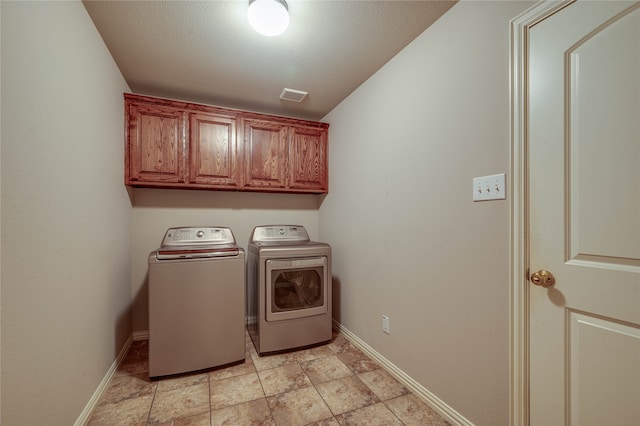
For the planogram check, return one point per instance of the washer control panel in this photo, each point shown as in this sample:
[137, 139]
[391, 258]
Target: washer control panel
[279, 233]
[191, 235]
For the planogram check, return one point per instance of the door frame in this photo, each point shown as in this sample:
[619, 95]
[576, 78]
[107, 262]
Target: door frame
[520, 27]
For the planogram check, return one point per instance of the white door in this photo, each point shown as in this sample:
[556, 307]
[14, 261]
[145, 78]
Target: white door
[584, 215]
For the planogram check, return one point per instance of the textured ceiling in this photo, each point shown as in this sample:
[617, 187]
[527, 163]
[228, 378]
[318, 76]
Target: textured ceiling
[205, 51]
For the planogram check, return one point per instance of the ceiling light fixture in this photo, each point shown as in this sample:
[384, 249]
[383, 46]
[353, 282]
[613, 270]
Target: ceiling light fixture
[268, 17]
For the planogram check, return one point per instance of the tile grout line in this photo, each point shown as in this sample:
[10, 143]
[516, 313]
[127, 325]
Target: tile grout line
[155, 392]
[262, 386]
[209, 393]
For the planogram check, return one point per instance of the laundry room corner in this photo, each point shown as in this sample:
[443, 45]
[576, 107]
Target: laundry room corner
[156, 210]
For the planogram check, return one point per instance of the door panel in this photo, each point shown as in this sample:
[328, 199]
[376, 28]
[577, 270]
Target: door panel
[604, 150]
[590, 386]
[157, 144]
[584, 214]
[308, 158]
[214, 152]
[266, 152]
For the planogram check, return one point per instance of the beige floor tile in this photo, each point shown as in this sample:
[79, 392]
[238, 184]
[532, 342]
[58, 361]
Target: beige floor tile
[325, 369]
[128, 412]
[235, 370]
[331, 421]
[358, 361]
[383, 384]
[137, 368]
[203, 419]
[346, 394]
[413, 412]
[298, 407]
[283, 379]
[235, 390]
[247, 339]
[181, 382]
[178, 403]
[252, 350]
[137, 359]
[373, 415]
[128, 386]
[252, 413]
[139, 351]
[312, 353]
[340, 344]
[271, 361]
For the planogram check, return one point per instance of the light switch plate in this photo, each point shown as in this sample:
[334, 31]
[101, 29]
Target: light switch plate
[489, 188]
[385, 324]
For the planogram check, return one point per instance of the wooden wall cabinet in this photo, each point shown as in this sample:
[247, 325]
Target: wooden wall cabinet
[265, 147]
[173, 144]
[156, 144]
[213, 151]
[307, 158]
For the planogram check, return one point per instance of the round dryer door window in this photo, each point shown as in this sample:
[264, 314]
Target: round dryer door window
[296, 288]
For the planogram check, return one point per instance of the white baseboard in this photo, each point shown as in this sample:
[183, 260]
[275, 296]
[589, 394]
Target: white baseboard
[451, 415]
[84, 416]
[140, 335]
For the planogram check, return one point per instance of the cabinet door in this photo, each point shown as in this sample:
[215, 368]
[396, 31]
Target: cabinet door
[308, 159]
[156, 144]
[214, 153]
[265, 154]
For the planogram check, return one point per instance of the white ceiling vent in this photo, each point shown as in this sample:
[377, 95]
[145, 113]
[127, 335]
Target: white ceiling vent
[293, 95]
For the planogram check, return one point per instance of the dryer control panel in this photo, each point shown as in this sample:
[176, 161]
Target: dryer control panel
[279, 233]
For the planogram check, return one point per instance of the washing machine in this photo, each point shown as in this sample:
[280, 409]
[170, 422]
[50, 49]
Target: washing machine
[288, 289]
[196, 301]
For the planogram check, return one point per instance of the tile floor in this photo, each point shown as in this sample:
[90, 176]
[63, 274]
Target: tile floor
[334, 384]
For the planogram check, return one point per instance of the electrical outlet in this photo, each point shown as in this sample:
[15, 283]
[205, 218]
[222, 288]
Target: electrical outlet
[489, 188]
[385, 324]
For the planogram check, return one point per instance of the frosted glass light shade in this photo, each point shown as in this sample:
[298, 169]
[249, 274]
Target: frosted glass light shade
[268, 17]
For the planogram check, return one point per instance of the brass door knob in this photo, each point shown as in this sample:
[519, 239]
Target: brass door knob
[543, 278]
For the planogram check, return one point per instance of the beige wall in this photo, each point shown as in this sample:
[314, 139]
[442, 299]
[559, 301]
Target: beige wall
[66, 216]
[156, 210]
[407, 239]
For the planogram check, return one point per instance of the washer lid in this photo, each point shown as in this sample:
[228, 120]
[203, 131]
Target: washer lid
[173, 252]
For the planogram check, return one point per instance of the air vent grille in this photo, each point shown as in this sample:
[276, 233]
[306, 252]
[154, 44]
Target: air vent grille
[293, 95]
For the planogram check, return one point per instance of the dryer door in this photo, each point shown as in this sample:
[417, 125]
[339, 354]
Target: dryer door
[296, 288]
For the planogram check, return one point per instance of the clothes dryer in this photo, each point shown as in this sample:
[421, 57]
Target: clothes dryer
[288, 288]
